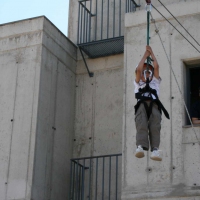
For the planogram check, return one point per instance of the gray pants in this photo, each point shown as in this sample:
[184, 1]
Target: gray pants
[148, 130]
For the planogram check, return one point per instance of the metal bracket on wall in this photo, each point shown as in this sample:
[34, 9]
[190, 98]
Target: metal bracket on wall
[91, 74]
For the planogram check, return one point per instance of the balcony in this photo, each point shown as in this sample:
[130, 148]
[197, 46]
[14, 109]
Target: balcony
[101, 26]
[97, 177]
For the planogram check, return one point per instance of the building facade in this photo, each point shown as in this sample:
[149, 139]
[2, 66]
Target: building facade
[64, 98]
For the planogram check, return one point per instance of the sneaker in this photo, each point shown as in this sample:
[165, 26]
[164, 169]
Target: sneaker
[139, 152]
[155, 155]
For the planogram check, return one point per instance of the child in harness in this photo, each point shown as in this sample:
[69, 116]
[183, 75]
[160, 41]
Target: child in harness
[148, 108]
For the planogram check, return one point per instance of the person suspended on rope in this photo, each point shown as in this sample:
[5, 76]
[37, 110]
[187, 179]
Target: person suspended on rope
[148, 108]
[195, 111]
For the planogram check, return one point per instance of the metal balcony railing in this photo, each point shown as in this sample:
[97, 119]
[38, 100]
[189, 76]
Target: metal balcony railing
[97, 177]
[101, 26]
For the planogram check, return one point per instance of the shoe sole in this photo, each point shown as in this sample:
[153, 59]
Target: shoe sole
[156, 158]
[139, 154]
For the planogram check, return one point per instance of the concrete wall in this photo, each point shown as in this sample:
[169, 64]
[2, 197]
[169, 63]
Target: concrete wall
[177, 175]
[99, 101]
[73, 20]
[20, 58]
[98, 119]
[98, 123]
[56, 109]
[37, 89]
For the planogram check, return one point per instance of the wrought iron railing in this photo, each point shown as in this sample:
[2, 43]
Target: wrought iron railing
[97, 177]
[102, 19]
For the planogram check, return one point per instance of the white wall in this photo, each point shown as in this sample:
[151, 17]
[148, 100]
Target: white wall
[37, 89]
[99, 103]
[169, 178]
[98, 119]
[20, 58]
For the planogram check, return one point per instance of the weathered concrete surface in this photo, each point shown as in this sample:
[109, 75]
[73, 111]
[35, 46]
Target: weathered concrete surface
[73, 20]
[98, 118]
[191, 157]
[20, 57]
[56, 113]
[176, 175]
[99, 101]
[37, 88]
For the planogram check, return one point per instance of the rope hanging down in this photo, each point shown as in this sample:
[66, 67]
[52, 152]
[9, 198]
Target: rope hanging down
[157, 31]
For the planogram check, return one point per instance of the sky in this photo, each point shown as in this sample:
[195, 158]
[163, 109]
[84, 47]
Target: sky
[55, 10]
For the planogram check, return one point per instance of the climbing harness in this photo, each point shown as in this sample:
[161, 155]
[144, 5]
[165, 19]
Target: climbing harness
[142, 99]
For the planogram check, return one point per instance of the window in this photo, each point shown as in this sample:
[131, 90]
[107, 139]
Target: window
[192, 83]
[194, 74]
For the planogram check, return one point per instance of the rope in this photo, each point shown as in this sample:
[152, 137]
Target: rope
[148, 9]
[148, 22]
[157, 31]
[179, 22]
[174, 26]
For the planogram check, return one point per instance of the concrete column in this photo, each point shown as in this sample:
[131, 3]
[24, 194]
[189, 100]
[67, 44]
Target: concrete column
[37, 89]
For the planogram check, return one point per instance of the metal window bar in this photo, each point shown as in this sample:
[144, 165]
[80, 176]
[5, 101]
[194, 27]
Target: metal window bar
[120, 18]
[103, 19]
[114, 19]
[116, 176]
[103, 166]
[84, 21]
[96, 181]
[109, 177]
[76, 182]
[96, 23]
[95, 177]
[108, 19]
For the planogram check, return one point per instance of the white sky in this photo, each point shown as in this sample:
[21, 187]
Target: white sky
[55, 10]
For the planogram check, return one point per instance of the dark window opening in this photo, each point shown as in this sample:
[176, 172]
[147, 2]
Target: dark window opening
[193, 84]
